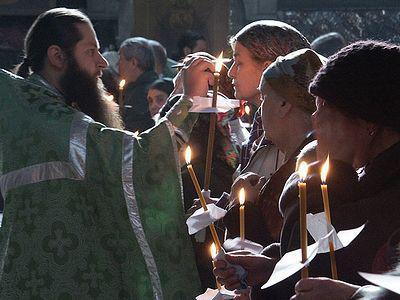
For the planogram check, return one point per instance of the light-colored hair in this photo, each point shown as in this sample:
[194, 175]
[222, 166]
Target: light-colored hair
[139, 48]
[268, 39]
[160, 53]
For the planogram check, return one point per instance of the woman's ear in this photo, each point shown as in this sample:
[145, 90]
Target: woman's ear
[56, 56]
[284, 108]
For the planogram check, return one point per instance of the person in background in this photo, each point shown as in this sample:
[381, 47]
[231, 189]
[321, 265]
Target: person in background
[190, 42]
[158, 94]
[110, 75]
[136, 65]
[328, 44]
[162, 62]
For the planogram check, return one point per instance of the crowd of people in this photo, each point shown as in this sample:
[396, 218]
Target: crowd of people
[95, 192]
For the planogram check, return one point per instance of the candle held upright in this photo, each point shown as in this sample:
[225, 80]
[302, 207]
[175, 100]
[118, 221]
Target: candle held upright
[242, 198]
[196, 184]
[303, 169]
[213, 121]
[325, 199]
[213, 252]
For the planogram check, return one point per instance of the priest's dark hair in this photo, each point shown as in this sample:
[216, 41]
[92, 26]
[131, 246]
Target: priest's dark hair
[53, 27]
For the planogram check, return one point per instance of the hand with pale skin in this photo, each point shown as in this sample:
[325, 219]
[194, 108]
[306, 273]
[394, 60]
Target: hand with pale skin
[197, 76]
[252, 184]
[259, 268]
[323, 288]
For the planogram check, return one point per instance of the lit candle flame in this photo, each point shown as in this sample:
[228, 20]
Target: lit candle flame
[242, 196]
[213, 250]
[303, 169]
[219, 62]
[122, 84]
[188, 154]
[324, 170]
[247, 109]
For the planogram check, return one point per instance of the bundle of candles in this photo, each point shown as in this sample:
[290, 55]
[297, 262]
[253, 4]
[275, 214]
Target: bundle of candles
[303, 169]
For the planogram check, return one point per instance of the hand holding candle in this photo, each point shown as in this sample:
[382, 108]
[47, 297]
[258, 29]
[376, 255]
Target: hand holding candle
[196, 184]
[325, 198]
[242, 197]
[213, 252]
[213, 120]
[303, 169]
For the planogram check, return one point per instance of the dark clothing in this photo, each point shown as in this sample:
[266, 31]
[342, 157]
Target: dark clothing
[136, 113]
[263, 219]
[371, 196]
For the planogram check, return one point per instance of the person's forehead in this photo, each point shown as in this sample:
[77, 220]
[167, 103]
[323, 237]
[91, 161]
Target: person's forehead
[89, 38]
[240, 51]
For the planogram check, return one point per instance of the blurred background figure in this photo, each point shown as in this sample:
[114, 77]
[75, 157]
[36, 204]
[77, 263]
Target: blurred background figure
[328, 44]
[158, 94]
[190, 42]
[110, 75]
[136, 65]
[162, 62]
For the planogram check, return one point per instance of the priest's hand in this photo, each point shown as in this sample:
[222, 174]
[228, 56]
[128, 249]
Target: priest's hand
[251, 182]
[197, 77]
[323, 288]
[258, 267]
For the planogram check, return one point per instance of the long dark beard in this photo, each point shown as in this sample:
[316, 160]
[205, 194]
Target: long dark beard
[87, 94]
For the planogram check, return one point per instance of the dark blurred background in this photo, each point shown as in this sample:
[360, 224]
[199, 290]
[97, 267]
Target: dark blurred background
[166, 20]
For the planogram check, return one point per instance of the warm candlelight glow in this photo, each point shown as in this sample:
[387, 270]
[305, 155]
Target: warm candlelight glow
[219, 62]
[303, 169]
[247, 109]
[324, 170]
[213, 250]
[122, 84]
[241, 213]
[188, 154]
[242, 196]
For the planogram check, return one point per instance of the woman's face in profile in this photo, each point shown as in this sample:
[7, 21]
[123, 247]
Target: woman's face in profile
[339, 135]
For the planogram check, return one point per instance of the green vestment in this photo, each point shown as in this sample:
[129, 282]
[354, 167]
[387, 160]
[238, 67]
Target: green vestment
[90, 212]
